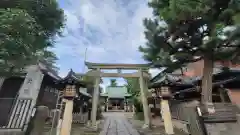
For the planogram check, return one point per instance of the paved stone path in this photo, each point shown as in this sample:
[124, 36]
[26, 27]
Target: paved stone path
[117, 124]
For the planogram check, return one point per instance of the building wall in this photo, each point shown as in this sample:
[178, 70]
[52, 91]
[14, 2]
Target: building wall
[234, 95]
[196, 68]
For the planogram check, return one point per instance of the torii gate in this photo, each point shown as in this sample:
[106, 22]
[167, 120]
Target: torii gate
[141, 74]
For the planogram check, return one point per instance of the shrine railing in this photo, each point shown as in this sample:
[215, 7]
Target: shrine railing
[177, 111]
[14, 113]
[80, 118]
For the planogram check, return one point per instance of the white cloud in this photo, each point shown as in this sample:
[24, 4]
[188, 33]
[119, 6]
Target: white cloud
[112, 30]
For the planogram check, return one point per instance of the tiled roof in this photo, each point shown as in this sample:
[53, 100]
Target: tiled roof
[174, 80]
[72, 79]
[184, 79]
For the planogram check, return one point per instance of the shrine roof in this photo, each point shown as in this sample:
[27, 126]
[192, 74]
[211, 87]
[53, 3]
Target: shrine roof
[72, 79]
[221, 77]
[173, 80]
[116, 92]
[219, 73]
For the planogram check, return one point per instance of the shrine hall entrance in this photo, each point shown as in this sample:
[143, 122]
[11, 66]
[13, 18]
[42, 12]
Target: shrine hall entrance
[115, 104]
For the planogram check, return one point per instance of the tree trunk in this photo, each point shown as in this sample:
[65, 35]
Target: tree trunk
[207, 81]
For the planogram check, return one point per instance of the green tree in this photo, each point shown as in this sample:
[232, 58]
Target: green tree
[28, 28]
[189, 30]
[113, 82]
[90, 82]
[133, 86]
[48, 58]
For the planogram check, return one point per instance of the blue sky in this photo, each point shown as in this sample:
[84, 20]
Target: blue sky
[112, 31]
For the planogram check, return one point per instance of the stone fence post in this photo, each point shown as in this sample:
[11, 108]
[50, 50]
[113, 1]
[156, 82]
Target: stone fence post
[238, 119]
[195, 122]
[39, 121]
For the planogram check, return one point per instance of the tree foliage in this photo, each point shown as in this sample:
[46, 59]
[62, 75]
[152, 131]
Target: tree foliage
[133, 86]
[91, 83]
[184, 31]
[113, 82]
[28, 28]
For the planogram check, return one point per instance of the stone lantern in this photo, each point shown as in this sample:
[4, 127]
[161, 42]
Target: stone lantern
[70, 86]
[164, 93]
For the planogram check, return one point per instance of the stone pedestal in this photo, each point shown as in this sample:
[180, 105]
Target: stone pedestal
[58, 130]
[67, 118]
[238, 119]
[133, 108]
[55, 120]
[39, 121]
[125, 105]
[166, 115]
[107, 105]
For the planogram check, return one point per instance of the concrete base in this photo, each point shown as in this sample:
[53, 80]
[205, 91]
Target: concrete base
[67, 118]
[146, 126]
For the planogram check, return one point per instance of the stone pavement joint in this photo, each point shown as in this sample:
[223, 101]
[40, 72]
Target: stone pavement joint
[116, 124]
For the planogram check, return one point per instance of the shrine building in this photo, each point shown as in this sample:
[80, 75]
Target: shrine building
[116, 98]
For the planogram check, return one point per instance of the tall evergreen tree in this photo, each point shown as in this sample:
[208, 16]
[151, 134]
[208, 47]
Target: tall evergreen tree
[184, 31]
[28, 28]
[133, 86]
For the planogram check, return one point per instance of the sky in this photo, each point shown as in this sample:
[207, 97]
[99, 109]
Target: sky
[111, 30]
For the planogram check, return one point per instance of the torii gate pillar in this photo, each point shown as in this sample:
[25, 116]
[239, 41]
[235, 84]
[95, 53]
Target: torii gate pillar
[95, 102]
[146, 110]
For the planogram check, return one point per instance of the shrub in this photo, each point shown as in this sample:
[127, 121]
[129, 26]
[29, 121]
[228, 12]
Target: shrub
[139, 116]
[138, 105]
